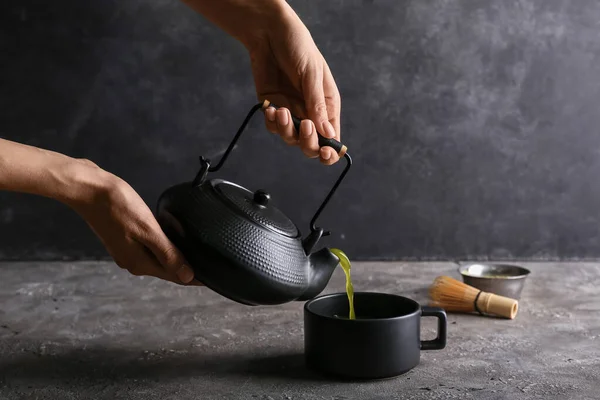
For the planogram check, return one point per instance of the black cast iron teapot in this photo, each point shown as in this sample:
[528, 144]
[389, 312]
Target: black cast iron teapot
[238, 243]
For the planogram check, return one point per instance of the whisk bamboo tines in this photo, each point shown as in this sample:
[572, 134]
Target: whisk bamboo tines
[456, 296]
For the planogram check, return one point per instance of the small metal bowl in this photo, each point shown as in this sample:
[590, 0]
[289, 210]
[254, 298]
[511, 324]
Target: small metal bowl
[501, 279]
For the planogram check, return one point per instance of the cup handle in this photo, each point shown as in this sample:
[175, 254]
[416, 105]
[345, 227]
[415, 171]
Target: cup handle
[440, 341]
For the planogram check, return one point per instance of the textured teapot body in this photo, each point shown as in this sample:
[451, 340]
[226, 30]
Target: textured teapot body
[240, 245]
[239, 259]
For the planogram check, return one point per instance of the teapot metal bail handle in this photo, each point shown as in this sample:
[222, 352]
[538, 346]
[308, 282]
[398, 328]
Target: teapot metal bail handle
[340, 148]
[313, 221]
[254, 109]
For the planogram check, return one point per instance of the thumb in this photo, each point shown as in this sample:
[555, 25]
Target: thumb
[314, 98]
[169, 257]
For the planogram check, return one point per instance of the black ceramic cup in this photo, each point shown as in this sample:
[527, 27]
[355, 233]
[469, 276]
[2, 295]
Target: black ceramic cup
[382, 342]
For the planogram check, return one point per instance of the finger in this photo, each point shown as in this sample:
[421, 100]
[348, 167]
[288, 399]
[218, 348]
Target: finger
[309, 142]
[332, 99]
[314, 95]
[328, 156]
[169, 257]
[141, 262]
[285, 127]
[87, 162]
[147, 264]
[270, 120]
[294, 103]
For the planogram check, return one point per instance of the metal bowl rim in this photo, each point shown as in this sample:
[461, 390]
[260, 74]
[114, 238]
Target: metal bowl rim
[462, 270]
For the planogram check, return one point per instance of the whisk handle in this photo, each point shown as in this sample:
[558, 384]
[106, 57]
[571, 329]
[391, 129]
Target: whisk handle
[440, 341]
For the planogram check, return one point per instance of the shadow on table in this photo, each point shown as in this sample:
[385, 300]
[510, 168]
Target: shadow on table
[78, 366]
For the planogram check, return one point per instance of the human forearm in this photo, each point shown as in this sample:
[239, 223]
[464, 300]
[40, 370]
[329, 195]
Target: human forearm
[287, 67]
[112, 209]
[246, 20]
[29, 169]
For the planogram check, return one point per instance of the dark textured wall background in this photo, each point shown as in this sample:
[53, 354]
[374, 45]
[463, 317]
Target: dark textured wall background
[473, 124]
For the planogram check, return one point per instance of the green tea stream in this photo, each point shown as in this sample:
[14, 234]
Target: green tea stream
[345, 264]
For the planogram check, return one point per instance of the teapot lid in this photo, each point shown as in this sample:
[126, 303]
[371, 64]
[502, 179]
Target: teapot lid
[256, 207]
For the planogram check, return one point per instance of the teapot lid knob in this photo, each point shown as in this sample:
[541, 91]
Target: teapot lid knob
[261, 198]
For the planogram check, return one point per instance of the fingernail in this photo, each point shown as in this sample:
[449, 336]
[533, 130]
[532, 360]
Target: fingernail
[282, 117]
[326, 154]
[328, 130]
[185, 274]
[270, 114]
[305, 128]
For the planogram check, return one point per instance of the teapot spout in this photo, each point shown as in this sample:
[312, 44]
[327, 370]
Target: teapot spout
[322, 266]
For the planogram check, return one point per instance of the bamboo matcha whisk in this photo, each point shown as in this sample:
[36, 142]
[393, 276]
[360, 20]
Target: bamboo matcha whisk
[453, 295]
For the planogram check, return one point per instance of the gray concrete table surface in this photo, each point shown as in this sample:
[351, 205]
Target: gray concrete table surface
[91, 331]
